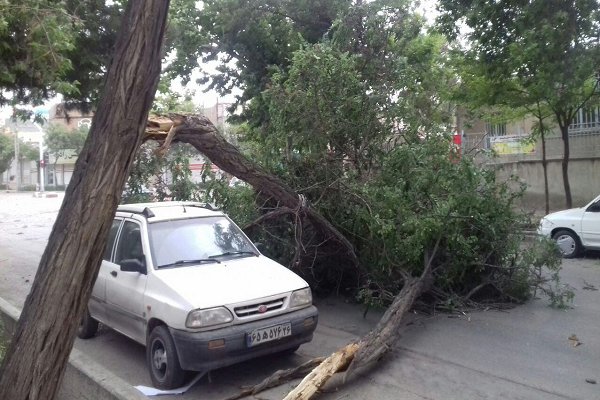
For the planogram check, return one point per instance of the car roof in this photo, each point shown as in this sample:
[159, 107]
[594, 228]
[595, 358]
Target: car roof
[169, 210]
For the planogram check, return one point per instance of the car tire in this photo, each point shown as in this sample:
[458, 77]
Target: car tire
[162, 360]
[568, 243]
[88, 326]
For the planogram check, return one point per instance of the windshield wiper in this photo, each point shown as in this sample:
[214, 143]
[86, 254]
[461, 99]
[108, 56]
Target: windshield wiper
[183, 262]
[233, 253]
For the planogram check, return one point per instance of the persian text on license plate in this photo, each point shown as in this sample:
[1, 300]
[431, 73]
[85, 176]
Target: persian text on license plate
[268, 334]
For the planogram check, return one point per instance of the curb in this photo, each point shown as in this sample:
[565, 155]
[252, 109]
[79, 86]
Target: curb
[84, 378]
[44, 194]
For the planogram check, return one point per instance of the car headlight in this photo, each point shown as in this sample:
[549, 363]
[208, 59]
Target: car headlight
[208, 317]
[302, 297]
[545, 226]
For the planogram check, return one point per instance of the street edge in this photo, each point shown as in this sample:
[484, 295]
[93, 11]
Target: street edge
[84, 378]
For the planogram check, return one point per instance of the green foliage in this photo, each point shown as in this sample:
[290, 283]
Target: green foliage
[154, 178]
[544, 261]
[35, 36]
[7, 152]
[167, 101]
[27, 151]
[358, 124]
[249, 38]
[61, 141]
[424, 195]
[524, 54]
[238, 201]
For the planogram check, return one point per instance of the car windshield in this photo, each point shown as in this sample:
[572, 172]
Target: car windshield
[208, 240]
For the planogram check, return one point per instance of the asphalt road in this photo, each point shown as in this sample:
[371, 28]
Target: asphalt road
[524, 353]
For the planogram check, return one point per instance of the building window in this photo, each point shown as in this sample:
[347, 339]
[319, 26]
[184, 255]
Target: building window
[495, 129]
[586, 121]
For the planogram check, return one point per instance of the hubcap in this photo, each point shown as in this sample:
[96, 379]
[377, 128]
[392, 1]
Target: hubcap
[159, 357]
[566, 244]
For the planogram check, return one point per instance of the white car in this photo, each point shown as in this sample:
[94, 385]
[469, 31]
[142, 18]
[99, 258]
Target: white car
[187, 283]
[574, 230]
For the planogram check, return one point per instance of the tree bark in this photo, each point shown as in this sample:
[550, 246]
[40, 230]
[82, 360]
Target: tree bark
[564, 130]
[36, 358]
[545, 169]
[312, 382]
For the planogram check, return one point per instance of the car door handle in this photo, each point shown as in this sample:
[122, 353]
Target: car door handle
[113, 273]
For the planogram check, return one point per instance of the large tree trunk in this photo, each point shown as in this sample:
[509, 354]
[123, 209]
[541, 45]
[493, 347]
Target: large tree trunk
[37, 356]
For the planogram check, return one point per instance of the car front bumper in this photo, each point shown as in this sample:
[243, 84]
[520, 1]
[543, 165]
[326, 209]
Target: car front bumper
[203, 351]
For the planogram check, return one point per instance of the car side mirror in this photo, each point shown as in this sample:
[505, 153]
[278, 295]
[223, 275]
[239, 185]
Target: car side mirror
[259, 246]
[133, 265]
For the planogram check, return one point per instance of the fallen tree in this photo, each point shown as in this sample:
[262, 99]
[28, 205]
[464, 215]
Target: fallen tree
[200, 132]
[489, 277]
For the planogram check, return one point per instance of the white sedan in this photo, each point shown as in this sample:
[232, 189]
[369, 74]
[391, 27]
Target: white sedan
[574, 230]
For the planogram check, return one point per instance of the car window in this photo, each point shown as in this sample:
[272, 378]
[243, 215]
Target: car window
[111, 239]
[196, 238]
[594, 207]
[130, 243]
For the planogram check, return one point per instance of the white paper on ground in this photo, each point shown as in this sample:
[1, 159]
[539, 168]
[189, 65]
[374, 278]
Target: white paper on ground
[150, 391]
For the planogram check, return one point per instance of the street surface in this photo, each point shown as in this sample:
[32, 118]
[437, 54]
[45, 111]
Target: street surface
[524, 353]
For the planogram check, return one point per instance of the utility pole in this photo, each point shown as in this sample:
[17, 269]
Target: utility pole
[17, 163]
[41, 163]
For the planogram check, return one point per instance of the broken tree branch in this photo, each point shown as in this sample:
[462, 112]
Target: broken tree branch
[381, 339]
[200, 132]
[338, 361]
[279, 378]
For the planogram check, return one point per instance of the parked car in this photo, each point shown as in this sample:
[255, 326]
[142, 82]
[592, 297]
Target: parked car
[186, 282]
[574, 230]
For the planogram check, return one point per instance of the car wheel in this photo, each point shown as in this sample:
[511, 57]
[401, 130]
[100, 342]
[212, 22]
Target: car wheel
[88, 326]
[568, 243]
[162, 359]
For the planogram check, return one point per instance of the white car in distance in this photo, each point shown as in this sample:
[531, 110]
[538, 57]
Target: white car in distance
[186, 282]
[574, 230]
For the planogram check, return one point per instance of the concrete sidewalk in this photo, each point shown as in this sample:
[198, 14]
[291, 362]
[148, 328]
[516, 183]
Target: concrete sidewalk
[524, 353]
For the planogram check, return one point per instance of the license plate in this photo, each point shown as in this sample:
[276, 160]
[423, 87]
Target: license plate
[263, 335]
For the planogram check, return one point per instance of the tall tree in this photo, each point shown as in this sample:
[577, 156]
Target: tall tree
[70, 263]
[548, 50]
[7, 152]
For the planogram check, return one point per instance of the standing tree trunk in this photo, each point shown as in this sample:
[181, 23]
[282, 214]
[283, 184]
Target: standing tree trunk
[545, 169]
[564, 131]
[37, 356]
[542, 130]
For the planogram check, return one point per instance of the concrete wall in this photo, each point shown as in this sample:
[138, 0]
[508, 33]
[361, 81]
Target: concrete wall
[84, 379]
[584, 177]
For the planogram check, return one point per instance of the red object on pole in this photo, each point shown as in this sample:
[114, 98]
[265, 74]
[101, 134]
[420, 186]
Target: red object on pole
[456, 147]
